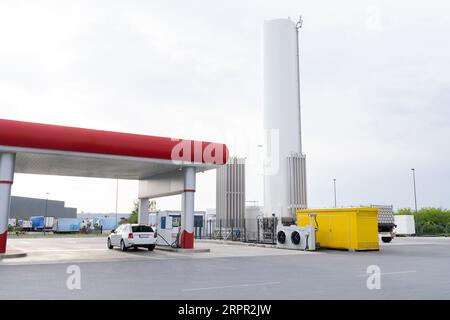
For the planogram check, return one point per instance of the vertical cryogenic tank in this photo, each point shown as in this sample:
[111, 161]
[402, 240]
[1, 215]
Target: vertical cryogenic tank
[284, 167]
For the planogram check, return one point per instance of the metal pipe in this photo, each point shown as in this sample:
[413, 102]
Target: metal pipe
[46, 210]
[415, 195]
[334, 184]
[117, 198]
[297, 28]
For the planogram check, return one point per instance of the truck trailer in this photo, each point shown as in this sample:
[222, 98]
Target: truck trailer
[40, 223]
[386, 222]
[67, 225]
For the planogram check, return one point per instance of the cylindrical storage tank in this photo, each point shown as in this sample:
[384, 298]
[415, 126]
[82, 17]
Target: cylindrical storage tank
[281, 112]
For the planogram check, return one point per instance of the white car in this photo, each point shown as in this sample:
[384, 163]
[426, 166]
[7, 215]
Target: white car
[132, 235]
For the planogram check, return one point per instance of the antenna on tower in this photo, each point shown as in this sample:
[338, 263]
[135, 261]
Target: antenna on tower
[299, 23]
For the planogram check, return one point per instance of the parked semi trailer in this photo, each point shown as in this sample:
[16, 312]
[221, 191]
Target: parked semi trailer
[386, 222]
[67, 225]
[41, 223]
[405, 225]
[25, 225]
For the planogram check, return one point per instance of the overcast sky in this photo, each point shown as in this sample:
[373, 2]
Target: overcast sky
[375, 89]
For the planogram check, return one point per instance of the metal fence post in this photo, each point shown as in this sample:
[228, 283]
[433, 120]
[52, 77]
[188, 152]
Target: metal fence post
[245, 231]
[232, 229]
[257, 228]
[273, 229]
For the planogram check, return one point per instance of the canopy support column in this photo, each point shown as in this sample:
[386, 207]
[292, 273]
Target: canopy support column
[7, 163]
[187, 211]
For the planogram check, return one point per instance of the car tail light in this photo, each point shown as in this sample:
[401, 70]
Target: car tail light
[155, 234]
[130, 236]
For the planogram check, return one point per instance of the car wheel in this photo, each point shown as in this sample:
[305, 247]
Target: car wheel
[151, 247]
[110, 246]
[386, 239]
[122, 246]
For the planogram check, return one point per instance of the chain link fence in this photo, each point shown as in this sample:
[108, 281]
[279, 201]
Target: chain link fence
[259, 230]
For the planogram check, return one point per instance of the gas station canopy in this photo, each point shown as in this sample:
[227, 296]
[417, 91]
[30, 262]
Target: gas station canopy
[70, 151]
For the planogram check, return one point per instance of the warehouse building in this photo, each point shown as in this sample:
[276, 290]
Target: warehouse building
[24, 208]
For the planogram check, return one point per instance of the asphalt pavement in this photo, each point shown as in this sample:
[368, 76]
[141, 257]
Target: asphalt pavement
[410, 268]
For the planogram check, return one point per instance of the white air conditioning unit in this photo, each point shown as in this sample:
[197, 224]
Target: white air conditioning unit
[283, 237]
[297, 238]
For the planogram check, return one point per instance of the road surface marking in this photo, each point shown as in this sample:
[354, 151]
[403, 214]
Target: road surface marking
[234, 286]
[408, 244]
[65, 250]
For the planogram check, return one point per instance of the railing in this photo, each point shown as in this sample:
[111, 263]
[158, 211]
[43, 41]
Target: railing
[256, 230]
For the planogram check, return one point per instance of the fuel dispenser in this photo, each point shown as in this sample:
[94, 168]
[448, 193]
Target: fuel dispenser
[168, 228]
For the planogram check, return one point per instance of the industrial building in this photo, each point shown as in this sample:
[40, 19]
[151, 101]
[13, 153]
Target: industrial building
[24, 208]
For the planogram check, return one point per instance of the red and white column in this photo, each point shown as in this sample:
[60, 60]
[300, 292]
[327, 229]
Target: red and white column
[187, 211]
[7, 162]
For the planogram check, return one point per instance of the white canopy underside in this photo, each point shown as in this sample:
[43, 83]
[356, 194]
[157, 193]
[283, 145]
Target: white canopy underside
[49, 162]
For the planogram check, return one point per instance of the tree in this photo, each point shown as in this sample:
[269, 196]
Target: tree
[134, 217]
[134, 212]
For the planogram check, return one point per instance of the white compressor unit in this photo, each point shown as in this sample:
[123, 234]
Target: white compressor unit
[297, 238]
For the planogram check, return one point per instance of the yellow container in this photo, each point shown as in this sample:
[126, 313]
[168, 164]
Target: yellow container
[344, 228]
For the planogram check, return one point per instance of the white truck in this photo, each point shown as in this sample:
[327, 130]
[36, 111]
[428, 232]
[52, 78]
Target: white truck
[386, 222]
[405, 225]
[25, 225]
[12, 222]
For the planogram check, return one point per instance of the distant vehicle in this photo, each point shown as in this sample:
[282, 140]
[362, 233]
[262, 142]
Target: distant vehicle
[25, 225]
[108, 223]
[67, 225]
[386, 222]
[12, 222]
[132, 235]
[40, 222]
[405, 225]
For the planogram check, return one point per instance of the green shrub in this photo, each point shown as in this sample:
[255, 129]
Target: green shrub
[405, 211]
[430, 221]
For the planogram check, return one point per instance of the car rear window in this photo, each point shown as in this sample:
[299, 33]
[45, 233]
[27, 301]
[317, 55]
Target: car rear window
[142, 229]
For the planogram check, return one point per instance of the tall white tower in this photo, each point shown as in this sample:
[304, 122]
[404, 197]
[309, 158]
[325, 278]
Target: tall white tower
[284, 167]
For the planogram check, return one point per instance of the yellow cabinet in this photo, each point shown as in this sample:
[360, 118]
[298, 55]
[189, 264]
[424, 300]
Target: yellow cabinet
[344, 228]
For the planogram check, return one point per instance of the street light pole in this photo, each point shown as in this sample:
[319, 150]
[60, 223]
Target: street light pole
[334, 184]
[46, 209]
[117, 198]
[415, 195]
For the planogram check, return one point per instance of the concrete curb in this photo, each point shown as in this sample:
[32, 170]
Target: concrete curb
[238, 243]
[12, 255]
[181, 250]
